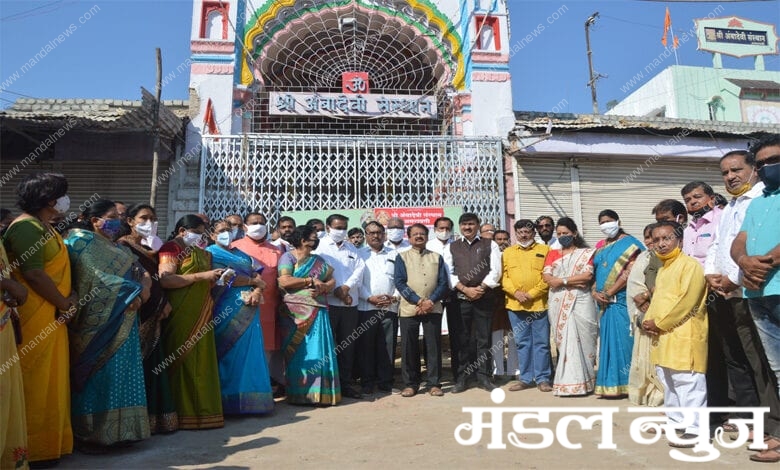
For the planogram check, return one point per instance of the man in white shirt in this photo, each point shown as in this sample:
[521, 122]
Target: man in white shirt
[342, 302]
[395, 235]
[442, 237]
[378, 312]
[746, 364]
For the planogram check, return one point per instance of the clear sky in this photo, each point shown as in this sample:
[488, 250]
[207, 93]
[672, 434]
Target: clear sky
[108, 51]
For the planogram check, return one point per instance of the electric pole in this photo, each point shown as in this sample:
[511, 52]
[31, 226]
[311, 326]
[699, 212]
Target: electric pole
[593, 76]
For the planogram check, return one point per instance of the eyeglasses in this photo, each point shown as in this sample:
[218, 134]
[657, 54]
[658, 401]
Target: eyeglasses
[768, 161]
[488, 231]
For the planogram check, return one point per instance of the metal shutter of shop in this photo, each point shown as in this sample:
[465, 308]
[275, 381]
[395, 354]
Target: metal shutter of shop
[602, 187]
[545, 188]
[129, 182]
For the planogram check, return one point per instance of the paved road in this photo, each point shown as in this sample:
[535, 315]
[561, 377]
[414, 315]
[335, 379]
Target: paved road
[393, 432]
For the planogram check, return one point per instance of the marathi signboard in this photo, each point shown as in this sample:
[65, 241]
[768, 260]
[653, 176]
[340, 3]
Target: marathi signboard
[738, 37]
[352, 105]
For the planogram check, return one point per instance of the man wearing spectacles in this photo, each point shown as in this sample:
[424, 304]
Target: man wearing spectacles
[756, 250]
[545, 227]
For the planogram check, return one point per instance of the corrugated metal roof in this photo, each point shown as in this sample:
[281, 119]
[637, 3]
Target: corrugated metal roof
[99, 114]
[755, 84]
[533, 121]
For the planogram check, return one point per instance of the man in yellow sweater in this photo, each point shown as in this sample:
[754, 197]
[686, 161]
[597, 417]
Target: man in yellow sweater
[677, 316]
[526, 301]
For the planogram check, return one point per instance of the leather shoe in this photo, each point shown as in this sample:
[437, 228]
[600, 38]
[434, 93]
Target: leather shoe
[350, 392]
[545, 387]
[460, 386]
[408, 392]
[519, 386]
[486, 385]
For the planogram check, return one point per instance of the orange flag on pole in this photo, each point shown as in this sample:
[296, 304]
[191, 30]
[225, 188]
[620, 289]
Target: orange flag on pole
[667, 26]
[209, 119]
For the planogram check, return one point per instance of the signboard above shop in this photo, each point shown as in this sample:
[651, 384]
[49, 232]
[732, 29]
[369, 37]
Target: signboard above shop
[737, 37]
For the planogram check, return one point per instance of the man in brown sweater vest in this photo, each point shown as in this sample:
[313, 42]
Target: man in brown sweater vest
[475, 265]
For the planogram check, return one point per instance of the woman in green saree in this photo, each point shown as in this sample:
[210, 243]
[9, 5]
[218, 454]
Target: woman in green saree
[188, 333]
[108, 399]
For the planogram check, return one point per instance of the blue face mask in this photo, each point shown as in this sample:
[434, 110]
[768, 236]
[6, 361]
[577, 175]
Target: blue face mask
[566, 240]
[111, 227]
[224, 238]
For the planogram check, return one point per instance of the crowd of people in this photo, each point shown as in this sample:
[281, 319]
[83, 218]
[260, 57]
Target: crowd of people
[109, 334]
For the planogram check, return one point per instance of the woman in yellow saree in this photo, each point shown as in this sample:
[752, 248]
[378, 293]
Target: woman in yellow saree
[188, 334]
[13, 424]
[39, 261]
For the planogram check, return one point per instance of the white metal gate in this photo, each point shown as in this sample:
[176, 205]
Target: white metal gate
[274, 174]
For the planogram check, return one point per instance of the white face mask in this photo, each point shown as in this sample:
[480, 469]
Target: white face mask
[610, 229]
[146, 229]
[256, 231]
[443, 235]
[525, 244]
[224, 239]
[337, 235]
[322, 234]
[395, 235]
[193, 239]
[62, 205]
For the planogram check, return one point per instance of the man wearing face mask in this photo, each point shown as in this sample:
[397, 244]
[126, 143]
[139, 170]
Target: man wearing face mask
[395, 235]
[257, 245]
[319, 226]
[756, 250]
[236, 226]
[729, 315]
[701, 231]
[442, 238]
[348, 270]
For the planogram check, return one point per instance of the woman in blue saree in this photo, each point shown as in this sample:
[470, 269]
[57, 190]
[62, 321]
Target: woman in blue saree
[108, 397]
[612, 264]
[243, 373]
[309, 349]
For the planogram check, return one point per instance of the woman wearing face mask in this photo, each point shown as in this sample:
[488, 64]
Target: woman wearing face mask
[243, 373]
[612, 264]
[188, 333]
[312, 369]
[159, 401]
[42, 266]
[573, 315]
[107, 379]
[644, 388]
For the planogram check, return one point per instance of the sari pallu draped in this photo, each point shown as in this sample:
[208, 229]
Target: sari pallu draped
[188, 342]
[616, 343]
[43, 354]
[310, 350]
[574, 320]
[159, 401]
[243, 372]
[13, 424]
[108, 395]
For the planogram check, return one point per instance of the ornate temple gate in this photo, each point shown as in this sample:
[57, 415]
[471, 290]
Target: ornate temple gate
[274, 174]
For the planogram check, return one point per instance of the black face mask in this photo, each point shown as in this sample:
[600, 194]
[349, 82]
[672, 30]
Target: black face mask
[697, 214]
[316, 244]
